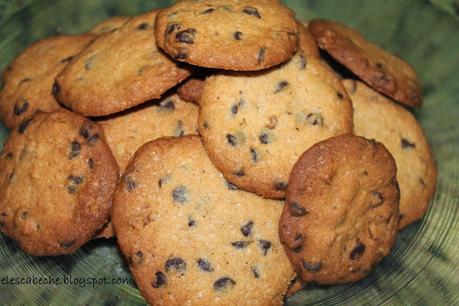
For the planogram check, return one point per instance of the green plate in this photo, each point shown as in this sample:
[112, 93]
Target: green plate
[423, 267]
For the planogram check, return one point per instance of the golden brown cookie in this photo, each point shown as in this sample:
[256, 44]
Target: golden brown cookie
[109, 24]
[256, 125]
[57, 179]
[191, 89]
[28, 81]
[380, 69]
[341, 214]
[192, 238]
[127, 131]
[243, 35]
[120, 69]
[377, 117]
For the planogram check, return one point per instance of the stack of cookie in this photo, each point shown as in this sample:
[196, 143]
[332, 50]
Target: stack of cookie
[197, 122]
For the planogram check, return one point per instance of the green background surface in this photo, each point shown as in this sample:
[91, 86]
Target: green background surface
[423, 267]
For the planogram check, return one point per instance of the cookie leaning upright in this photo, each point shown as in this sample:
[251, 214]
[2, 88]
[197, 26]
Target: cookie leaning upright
[377, 117]
[121, 69]
[28, 82]
[255, 125]
[341, 214]
[243, 35]
[57, 178]
[380, 69]
[192, 238]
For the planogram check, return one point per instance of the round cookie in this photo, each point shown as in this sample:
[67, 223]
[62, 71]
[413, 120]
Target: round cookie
[57, 179]
[109, 25]
[29, 79]
[341, 214]
[192, 238]
[256, 125]
[377, 117]
[243, 35]
[127, 131]
[191, 89]
[120, 69]
[383, 71]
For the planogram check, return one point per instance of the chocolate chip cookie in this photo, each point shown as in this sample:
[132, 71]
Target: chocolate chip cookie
[245, 35]
[109, 25]
[380, 69]
[28, 82]
[120, 69]
[256, 125]
[190, 237]
[57, 179]
[341, 215]
[375, 116]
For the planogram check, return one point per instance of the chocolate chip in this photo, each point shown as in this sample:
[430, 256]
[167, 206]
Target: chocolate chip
[67, 244]
[56, 88]
[167, 105]
[251, 11]
[175, 263]
[280, 185]
[205, 125]
[296, 209]
[303, 62]
[254, 155]
[224, 283]
[406, 144]
[130, 183]
[208, 11]
[264, 138]
[237, 35]
[93, 139]
[240, 244]
[380, 65]
[172, 27]
[255, 271]
[240, 173]
[180, 194]
[357, 252]
[315, 119]
[142, 26]
[88, 63]
[191, 222]
[376, 200]
[24, 215]
[164, 180]
[66, 60]
[77, 180]
[234, 109]
[264, 245]
[186, 36]
[75, 149]
[160, 280]
[232, 140]
[312, 267]
[9, 156]
[136, 259]
[298, 249]
[246, 229]
[280, 86]
[24, 124]
[340, 95]
[19, 110]
[180, 56]
[231, 186]
[90, 163]
[205, 265]
[261, 55]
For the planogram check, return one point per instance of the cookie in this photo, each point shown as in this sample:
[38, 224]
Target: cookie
[28, 82]
[57, 179]
[341, 214]
[191, 89]
[244, 35]
[377, 117]
[256, 125]
[120, 69]
[127, 131]
[192, 238]
[109, 25]
[380, 69]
